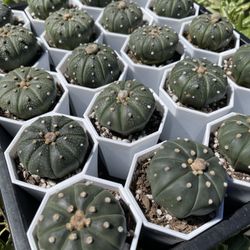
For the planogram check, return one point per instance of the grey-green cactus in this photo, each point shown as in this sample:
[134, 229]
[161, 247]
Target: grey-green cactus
[6, 14]
[53, 146]
[186, 178]
[173, 8]
[42, 8]
[234, 142]
[197, 82]
[27, 92]
[18, 46]
[93, 65]
[122, 17]
[153, 44]
[68, 28]
[211, 32]
[97, 3]
[124, 107]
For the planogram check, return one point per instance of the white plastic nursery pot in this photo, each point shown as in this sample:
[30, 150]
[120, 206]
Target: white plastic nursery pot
[89, 167]
[31, 233]
[237, 189]
[22, 18]
[80, 97]
[202, 53]
[157, 232]
[118, 154]
[175, 23]
[43, 62]
[186, 122]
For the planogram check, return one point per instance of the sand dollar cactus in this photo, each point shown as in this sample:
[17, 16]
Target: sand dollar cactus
[68, 28]
[153, 44]
[53, 146]
[234, 142]
[122, 17]
[197, 82]
[124, 107]
[211, 32]
[186, 178]
[173, 8]
[97, 3]
[6, 15]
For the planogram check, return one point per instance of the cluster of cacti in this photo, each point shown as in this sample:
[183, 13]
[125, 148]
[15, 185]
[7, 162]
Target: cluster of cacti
[153, 44]
[6, 15]
[42, 8]
[97, 3]
[92, 65]
[122, 17]
[68, 28]
[186, 178]
[211, 32]
[124, 107]
[27, 92]
[234, 142]
[18, 46]
[53, 146]
[197, 82]
[173, 8]
[87, 216]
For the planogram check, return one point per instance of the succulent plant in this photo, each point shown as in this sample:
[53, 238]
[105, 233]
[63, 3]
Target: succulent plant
[18, 46]
[186, 178]
[6, 15]
[173, 8]
[97, 3]
[122, 17]
[211, 32]
[124, 107]
[234, 142]
[197, 82]
[153, 44]
[42, 8]
[92, 65]
[53, 146]
[27, 92]
[68, 28]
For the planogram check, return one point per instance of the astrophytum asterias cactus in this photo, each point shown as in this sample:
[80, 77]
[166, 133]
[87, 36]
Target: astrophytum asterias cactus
[153, 44]
[197, 82]
[92, 65]
[122, 17]
[186, 178]
[234, 142]
[53, 146]
[6, 15]
[97, 3]
[173, 8]
[210, 31]
[18, 46]
[124, 107]
[68, 28]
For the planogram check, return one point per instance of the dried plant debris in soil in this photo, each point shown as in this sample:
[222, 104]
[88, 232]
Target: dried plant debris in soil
[156, 214]
[214, 144]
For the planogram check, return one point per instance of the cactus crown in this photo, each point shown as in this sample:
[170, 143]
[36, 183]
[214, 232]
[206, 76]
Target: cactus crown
[97, 3]
[6, 15]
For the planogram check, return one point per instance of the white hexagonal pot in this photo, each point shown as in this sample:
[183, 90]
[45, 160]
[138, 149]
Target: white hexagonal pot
[31, 234]
[157, 232]
[21, 17]
[237, 189]
[89, 167]
[80, 97]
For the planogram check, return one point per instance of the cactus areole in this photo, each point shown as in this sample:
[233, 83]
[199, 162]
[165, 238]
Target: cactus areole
[97, 3]
[186, 178]
[82, 216]
[6, 14]
[53, 147]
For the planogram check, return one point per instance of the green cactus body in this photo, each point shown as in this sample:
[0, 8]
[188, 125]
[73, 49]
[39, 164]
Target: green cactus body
[186, 178]
[68, 28]
[210, 32]
[174, 8]
[6, 15]
[52, 147]
[18, 46]
[234, 142]
[93, 65]
[241, 66]
[27, 92]
[124, 107]
[42, 8]
[97, 3]
[82, 216]
[122, 17]
[153, 44]
[197, 82]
